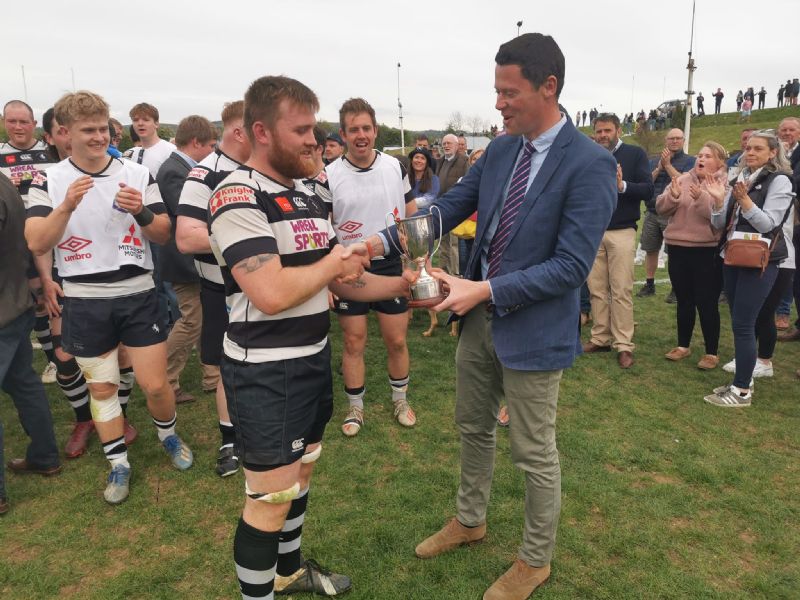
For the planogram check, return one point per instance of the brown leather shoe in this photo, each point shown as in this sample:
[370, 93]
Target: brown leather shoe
[78, 439]
[130, 433]
[678, 353]
[708, 362]
[20, 465]
[518, 582]
[625, 359]
[450, 536]
[181, 397]
[590, 347]
[782, 322]
[792, 335]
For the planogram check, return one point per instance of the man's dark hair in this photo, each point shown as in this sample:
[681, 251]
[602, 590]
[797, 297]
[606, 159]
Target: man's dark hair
[320, 135]
[263, 99]
[356, 106]
[421, 137]
[607, 118]
[538, 57]
[194, 127]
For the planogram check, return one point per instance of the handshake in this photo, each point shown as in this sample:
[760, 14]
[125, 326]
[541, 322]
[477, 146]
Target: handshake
[355, 259]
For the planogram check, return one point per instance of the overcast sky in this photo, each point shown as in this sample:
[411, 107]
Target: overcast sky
[191, 57]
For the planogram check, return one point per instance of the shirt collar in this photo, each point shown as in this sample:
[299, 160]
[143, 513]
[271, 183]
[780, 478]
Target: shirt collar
[189, 160]
[619, 143]
[546, 139]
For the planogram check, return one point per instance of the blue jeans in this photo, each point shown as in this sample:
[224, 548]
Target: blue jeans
[785, 303]
[746, 290]
[21, 382]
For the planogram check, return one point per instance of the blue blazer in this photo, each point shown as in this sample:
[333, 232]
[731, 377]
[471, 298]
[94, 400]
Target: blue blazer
[552, 247]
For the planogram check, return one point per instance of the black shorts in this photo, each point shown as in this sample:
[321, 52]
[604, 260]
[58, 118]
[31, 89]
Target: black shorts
[395, 306]
[93, 326]
[278, 408]
[215, 321]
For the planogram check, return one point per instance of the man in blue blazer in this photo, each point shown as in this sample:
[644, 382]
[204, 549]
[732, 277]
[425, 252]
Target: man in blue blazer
[544, 194]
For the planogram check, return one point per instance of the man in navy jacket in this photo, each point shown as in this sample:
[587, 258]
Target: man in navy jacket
[544, 195]
[611, 279]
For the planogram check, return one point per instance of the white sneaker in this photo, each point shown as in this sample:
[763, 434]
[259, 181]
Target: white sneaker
[762, 370]
[353, 421]
[49, 373]
[730, 367]
[404, 414]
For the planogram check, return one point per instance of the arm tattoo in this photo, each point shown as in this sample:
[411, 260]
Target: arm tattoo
[254, 263]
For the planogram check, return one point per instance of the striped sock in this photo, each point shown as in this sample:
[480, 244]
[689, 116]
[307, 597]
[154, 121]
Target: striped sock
[290, 558]
[74, 388]
[356, 396]
[165, 428]
[116, 452]
[126, 380]
[228, 435]
[399, 388]
[41, 328]
[255, 553]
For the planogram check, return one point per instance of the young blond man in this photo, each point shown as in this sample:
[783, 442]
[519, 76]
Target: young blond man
[98, 213]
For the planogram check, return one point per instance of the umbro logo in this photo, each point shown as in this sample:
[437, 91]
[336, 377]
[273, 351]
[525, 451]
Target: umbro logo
[350, 226]
[74, 243]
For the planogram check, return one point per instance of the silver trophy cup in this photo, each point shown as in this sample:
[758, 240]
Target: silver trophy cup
[416, 235]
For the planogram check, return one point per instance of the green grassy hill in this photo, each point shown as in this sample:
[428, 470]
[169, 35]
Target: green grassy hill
[725, 128]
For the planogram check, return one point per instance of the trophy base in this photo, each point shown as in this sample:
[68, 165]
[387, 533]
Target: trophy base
[426, 302]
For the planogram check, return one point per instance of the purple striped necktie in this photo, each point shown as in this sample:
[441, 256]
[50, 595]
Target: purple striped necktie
[516, 194]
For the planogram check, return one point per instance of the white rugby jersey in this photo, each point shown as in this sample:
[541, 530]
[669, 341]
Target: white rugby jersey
[200, 184]
[252, 214]
[361, 198]
[95, 263]
[152, 157]
[25, 164]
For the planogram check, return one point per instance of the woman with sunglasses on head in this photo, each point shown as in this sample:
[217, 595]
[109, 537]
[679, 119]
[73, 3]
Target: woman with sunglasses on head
[756, 204]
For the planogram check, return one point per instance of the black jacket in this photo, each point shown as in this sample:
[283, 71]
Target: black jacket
[636, 174]
[175, 267]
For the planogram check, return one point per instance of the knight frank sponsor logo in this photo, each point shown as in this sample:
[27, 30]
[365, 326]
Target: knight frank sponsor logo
[232, 194]
[132, 244]
[351, 230]
[75, 244]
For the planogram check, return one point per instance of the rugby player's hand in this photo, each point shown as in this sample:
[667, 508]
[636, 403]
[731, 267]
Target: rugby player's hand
[359, 249]
[76, 191]
[351, 266]
[16, 179]
[129, 199]
[51, 292]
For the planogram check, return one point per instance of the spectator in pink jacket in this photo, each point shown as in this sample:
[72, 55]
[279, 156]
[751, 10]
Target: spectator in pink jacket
[694, 263]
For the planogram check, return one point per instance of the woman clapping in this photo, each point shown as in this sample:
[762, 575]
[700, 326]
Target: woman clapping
[757, 204]
[692, 244]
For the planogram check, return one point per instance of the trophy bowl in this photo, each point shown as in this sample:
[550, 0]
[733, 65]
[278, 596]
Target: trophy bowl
[417, 237]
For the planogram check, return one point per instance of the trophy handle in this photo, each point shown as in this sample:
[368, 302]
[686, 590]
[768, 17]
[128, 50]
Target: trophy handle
[441, 233]
[389, 220]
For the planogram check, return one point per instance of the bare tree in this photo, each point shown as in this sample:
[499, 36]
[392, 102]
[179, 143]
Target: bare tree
[477, 124]
[456, 122]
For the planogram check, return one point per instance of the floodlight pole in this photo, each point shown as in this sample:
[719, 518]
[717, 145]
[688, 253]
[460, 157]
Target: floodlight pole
[519, 24]
[400, 108]
[24, 83]
[687, 126]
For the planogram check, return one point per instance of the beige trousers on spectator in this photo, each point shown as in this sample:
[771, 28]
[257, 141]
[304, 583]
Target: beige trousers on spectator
[611, 288]
[448, 254]
[185, 334]
[482, 383]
